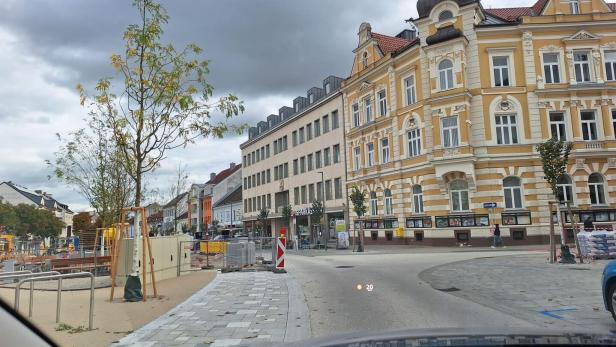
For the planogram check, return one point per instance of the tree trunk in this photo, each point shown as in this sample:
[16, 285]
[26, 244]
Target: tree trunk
[360, 247]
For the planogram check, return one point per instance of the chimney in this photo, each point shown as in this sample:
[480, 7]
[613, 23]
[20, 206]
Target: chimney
[231, 165]
[212, 176]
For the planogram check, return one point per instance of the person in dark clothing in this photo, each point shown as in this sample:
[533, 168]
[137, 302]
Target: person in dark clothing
[588, 226]
[498, 241]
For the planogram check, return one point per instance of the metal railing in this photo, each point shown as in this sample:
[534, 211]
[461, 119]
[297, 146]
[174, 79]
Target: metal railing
[58, 277]
[11, 273]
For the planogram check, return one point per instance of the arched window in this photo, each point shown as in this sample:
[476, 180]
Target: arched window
[445, 15]
[513, 192]
[565, 189]
[364, 60]
[373, 208]
[459, 195]
[389, 210]
[597, 189]
[417, 199]
[445, 73]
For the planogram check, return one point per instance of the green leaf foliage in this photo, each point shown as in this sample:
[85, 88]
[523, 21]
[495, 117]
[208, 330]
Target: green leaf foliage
[554, 157]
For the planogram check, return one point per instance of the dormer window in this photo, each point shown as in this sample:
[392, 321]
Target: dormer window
[327, 87]
[445, 15]
[296, 107]
[365, 60]
[311, 98]
[575, 6]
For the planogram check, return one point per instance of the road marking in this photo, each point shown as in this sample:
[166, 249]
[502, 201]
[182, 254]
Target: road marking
[551, 313]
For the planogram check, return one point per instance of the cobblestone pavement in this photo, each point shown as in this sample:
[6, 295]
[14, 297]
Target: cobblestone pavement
[238, 308]
[560, 296]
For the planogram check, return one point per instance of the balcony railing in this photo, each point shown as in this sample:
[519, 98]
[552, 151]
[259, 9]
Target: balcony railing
[594, 145]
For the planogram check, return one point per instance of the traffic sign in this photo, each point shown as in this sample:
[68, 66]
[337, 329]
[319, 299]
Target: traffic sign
[489, 205]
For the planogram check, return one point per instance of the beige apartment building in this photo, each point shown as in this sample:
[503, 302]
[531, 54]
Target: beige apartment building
[294, 158]
[442, 121]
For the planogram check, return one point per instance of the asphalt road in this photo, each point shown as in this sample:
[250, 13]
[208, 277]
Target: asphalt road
[398, 299]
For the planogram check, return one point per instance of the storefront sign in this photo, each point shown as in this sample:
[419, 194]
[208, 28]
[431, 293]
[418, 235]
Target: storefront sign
[302, 212]
[340, 225]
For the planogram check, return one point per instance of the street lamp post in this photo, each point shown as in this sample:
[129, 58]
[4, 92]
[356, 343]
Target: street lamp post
[323, 220]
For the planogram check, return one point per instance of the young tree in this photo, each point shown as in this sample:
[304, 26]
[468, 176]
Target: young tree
[358, 199]
[316, 215]
[555, 156]
[89, 161]
[180, 181]
[164, 101]
[287, 214]
[262, 218]
[82, 221]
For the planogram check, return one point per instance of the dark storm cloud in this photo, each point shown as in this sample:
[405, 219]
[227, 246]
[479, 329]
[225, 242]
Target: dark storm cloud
[256, 47]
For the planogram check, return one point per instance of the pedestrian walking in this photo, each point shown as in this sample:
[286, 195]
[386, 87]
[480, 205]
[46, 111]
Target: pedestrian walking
[498, 241]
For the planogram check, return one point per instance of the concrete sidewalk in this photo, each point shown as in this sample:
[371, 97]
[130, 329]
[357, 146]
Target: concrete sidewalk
[238, 308]
[564, 296]
[404, 249]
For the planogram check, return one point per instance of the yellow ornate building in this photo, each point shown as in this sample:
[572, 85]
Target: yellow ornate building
[444, 118]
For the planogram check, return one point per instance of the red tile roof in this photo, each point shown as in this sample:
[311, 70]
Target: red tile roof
[512, 14]
[223, 174]
[390, 44]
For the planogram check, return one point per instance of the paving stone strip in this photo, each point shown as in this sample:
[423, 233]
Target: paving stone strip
[235, 309]
[556, 296]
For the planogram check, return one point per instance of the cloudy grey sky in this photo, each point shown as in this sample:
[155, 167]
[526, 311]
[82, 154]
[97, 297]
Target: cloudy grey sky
[265, 51]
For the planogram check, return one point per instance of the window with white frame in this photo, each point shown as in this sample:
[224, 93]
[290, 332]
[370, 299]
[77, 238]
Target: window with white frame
[513, 192]
[558, 126]
[357, 158]
[500, 68]
[364, 60]
[589, 125]
[450, 132]
[506, 129]
[373, 204]
[413, 142]
[369, 154]
[368, 109]
[459, 195]
[355, 114]
[551, 67]
[565, 189]
[409, 90]
[418, 199]
[610, 65]
[574, 6]
[311, 98]
[382, 102]
[384, 151]
[445, 74]
[596, 189]
[581, 66]
[327, 88]
[388, 202]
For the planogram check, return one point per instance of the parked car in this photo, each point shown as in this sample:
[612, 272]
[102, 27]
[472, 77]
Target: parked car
[608, 284]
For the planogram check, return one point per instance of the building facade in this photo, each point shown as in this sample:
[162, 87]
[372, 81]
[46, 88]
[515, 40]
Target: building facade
[294, 158]
[228, 210]
[227, 198]
[13, 194]
[445, 117]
